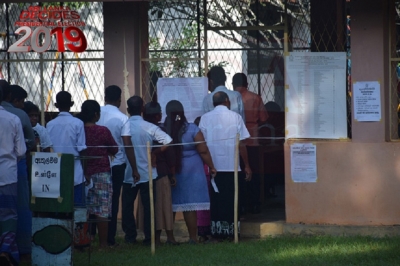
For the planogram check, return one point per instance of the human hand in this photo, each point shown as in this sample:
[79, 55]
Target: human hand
[172, 180]
[213, 172]
[248, 172]
[136, 176]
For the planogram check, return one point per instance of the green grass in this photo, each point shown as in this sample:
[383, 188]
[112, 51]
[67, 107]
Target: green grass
[286, 250]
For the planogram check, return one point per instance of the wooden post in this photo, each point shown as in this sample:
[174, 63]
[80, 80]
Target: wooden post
[235, 217]
[153, 245]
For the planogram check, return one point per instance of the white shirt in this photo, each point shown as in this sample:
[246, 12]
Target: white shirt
[45, 141]
[68, 136]
[12, 145]
[117, 122]
[141, 133]
[234, 97]
[219, 128]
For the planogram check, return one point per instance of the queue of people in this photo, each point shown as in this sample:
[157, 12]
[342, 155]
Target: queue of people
[185, 159]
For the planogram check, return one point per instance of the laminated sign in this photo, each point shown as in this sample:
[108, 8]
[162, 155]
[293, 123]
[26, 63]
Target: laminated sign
[46, 175]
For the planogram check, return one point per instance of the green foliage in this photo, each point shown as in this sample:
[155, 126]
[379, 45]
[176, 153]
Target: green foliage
[179, 51]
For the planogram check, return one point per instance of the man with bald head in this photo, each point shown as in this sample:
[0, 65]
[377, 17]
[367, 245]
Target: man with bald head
[220, 127]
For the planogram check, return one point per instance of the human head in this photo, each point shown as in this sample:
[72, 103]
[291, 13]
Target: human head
[239, 80]
[90, 111]
[152, 112]
[33, 112]
[112, 95]
[135, 105]
[221, 98]
[64, 101]
[18, 96]
[272, 107]
[216, 77]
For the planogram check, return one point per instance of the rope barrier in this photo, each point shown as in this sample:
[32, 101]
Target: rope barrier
[171, 144]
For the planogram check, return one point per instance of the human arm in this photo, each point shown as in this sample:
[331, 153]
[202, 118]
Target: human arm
[19, 140]
[28, 132]
[204, 153]
[262, 112]
[130, 154]
[243, 154]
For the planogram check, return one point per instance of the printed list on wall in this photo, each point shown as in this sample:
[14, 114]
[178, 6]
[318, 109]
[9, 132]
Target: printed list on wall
[316, 95]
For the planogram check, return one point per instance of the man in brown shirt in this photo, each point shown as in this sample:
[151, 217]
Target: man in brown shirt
[255, 114]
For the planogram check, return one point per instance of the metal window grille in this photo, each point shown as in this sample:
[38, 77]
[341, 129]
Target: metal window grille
[187, 37]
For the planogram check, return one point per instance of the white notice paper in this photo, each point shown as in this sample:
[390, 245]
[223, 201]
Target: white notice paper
[46, 168]
[367, 101]
[303, 162]
[316, 95]
[189, 91]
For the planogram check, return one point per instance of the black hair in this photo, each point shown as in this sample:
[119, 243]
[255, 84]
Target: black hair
[272, 107]
[239, 79]
[217, 75]
[112, 93]
[219, 98]
[197, 120]
[151, 110]
[5, 87]
[17, 93]
[135, 105]
[176, 125]
[1, 94]
[30, 106]
[63, 100]
[88, 111]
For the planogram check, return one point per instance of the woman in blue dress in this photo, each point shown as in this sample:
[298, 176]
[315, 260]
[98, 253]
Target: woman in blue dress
[191, 192]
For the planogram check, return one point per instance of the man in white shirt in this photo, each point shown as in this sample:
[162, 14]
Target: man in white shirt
[141, 133]
[12, 146]
[216, 82]
[220, 127]
[67, 134]
[117, 122]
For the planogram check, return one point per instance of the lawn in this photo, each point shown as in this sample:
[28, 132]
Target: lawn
[285, 250]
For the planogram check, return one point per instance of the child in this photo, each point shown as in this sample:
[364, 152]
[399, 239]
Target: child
[42, 138]
[68, 136]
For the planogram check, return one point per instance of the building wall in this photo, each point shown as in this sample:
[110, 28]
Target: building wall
[358, 179]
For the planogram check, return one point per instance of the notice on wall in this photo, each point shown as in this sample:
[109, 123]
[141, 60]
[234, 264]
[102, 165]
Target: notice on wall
[189, 91]
[316, 95]
[367, 101]
[46, 175]
[303, 162]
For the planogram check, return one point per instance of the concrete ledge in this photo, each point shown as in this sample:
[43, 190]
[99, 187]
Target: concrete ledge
[261, 230]
[340, 230]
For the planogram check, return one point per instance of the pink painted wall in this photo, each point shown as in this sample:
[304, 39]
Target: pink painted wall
[359, 179]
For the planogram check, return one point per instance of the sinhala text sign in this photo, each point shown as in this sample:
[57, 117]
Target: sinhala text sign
[37, 25]
[46, 175]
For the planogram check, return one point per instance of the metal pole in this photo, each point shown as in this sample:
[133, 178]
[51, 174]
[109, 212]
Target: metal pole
[205, 38]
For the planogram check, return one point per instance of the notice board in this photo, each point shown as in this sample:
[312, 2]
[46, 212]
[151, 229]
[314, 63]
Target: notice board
[315, 95]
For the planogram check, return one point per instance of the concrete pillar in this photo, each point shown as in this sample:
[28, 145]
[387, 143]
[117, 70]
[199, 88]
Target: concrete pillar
[370, 62]
[125, 43]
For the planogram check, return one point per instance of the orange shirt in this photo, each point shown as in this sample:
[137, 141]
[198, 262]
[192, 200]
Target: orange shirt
[254, 111]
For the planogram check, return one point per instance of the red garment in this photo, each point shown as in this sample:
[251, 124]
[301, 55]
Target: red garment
[254, 112]
[99, 136]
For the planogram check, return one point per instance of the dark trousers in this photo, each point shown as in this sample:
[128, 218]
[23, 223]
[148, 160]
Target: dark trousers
[249, 192]
[117, 178]
[129, 194]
